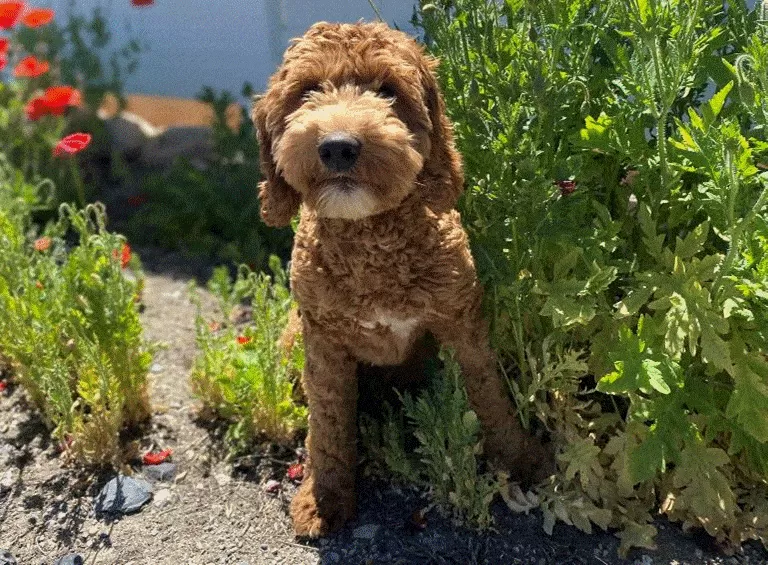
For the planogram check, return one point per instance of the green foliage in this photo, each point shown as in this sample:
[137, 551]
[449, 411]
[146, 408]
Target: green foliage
[244, 375]
[70, 328]
[447, 437]
[215, 211]
[630, 307]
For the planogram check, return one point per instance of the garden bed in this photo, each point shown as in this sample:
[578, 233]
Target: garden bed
[217, 512]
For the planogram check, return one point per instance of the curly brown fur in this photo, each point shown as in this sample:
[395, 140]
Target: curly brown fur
[380, 257]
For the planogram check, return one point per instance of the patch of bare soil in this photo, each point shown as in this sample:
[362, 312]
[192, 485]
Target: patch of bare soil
[217, 512]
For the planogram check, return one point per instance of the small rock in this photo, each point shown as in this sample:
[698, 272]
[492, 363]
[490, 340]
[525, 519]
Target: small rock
[264, 547]
[163, 472]
[646, 560]
[6, 558]
[156, 368]
[9, 478]
[72, 559]
[366, 531]
[272, 487]
[331, 557]
[162, 498]
[123, 495]
[222, 479]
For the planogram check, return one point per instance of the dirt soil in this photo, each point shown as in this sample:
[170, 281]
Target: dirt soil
[219, 512]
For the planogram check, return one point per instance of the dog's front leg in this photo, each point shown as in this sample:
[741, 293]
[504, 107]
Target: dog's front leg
[506, 442]
[326, 499]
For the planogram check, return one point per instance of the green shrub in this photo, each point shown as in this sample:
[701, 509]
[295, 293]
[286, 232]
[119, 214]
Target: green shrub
[70, 330]
[244, 375]
[616, 207]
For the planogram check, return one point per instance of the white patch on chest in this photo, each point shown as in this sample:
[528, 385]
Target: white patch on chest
[401, 327]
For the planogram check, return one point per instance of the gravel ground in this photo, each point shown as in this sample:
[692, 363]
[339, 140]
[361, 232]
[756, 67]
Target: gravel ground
[214, 512]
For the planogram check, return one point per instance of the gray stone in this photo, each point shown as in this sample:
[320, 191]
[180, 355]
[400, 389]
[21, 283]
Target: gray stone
[8, 479]
[163, 472]
[6, 558]
[123, 495]
[366, 531]
[71, 559]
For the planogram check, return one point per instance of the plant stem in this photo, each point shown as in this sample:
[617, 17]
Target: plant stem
[77, 179]
[736, 234]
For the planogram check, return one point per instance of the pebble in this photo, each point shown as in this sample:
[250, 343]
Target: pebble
[272, 486]
[156, 368]
[6, 558]
[366, 531]
[162, 498]
[9, 478]
[72, 559]
[123, 495]
[646, 560]
[163, 472]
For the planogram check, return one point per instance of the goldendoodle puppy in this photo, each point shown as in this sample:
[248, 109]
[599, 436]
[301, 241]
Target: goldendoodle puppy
[352, 130]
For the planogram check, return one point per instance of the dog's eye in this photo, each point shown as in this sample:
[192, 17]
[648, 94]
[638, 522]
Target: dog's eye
[309, 89]
[386, 91]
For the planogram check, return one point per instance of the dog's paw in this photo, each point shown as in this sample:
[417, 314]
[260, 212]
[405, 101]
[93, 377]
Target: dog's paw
[316, 514]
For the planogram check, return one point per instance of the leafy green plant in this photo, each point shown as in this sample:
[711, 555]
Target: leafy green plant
[71, 332]
[243, 375]
[616, 207]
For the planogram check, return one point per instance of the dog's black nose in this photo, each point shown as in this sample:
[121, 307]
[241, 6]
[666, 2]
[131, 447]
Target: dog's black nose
[339, 151]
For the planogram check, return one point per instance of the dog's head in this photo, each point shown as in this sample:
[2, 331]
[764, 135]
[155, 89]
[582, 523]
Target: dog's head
[351, 124]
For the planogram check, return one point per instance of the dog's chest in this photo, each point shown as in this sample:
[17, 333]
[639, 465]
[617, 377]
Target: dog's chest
[400, 327]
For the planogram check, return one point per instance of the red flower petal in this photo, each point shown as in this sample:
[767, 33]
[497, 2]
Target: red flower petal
[125, 255]
[30, 67]
[295, 472]
[4, 44]
[142, 3]
[566, 187]
[156, 458]
[3, 386]
[36, 108]
[243, 339]
[43, 243]
[72, 144]
[37, 17]
[3, 61]
[9, 13]
[57, 98]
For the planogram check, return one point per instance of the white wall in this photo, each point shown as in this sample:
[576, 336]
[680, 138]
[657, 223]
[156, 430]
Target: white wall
[220, 43]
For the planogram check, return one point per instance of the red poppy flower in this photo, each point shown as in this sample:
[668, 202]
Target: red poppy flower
[142, 3]
[124, 255]
[567, 187]
[243, 339]
[4, 44]
[295, 472]
[3, 61]
[3, 386]
[58, 98]
[72, 144]
[30, 67]
[43, 243]
[137, 200]
[156, 458]
[9, 13]
[37, 17]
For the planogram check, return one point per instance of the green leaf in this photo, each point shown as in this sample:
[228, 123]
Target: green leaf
[693, 242]
[711, 109]
[636, 535]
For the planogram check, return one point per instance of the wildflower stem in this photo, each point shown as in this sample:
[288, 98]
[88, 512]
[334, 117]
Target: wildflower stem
[78, 180]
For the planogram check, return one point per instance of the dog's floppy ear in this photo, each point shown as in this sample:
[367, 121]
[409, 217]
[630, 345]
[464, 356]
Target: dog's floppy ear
[442, 174]
[279, 201]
